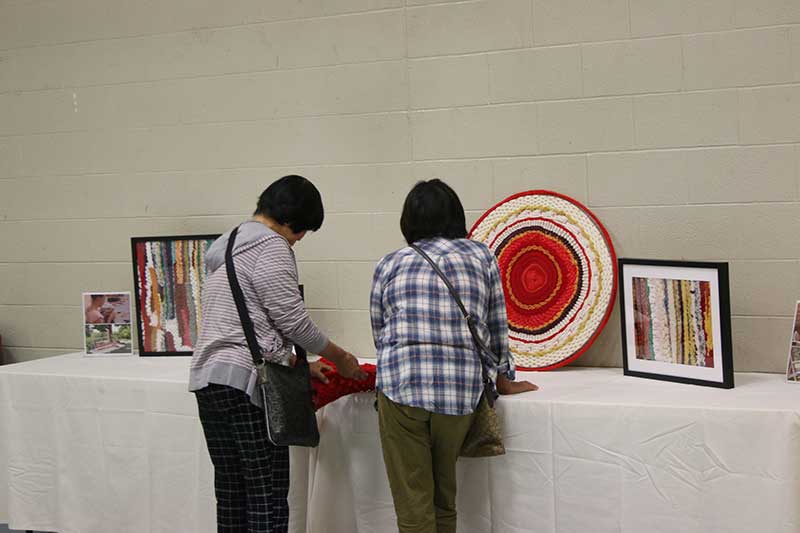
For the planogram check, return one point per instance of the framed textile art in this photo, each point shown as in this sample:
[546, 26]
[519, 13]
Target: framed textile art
[559, 274]
[676, 321]
[168, 274]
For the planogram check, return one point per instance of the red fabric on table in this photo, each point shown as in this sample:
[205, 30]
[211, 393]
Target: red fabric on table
[338, 386]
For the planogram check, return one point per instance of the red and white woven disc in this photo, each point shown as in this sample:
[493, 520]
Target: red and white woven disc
[559, 273]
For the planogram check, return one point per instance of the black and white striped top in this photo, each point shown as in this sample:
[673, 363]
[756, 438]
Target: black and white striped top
[267, 271]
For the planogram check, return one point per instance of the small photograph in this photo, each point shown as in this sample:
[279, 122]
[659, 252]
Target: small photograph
[673, 321]
[793, 369]
[793, 373]
[107, 308]
[108, 339]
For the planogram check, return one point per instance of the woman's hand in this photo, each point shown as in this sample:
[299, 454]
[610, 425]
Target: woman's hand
[348, 367]
[345, 362]
[506, 386]
[318, 369]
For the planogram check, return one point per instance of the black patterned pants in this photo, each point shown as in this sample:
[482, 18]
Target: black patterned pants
[251, 476]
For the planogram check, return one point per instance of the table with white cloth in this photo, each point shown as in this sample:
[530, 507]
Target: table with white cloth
[101, 445]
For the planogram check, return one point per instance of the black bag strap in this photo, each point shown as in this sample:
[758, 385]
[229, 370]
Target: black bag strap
[241, 306]
[470, 318]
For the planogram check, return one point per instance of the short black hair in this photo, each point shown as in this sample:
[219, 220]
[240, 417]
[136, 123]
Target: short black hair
[294, 201]
[432, 209]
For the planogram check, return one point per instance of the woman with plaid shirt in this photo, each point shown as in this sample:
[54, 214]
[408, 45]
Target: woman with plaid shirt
[429, 371]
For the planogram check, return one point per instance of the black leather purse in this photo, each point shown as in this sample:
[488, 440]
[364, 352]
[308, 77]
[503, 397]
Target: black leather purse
[285, 391]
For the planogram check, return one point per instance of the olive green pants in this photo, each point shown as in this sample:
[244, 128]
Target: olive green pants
[420, 450]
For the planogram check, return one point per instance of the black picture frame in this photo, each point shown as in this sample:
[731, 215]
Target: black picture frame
[716, 274]
[137, 294]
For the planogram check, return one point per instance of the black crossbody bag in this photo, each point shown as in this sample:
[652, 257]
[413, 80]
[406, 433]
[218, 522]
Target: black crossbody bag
[484, 438]
[285, 391]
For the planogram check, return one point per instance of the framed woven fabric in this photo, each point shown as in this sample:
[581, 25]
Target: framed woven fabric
[676, 321]
[559, 273]
[168, 275]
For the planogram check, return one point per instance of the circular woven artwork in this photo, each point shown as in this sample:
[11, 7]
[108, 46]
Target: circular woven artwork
[559, 273]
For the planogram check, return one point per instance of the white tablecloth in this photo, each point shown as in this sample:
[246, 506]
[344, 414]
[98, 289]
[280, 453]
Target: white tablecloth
[115, 445]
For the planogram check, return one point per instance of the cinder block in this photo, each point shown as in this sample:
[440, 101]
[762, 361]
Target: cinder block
[721, 232]
[770, 115]
[751, 13]
[363, 188]
[794, 50]
[623, 226]
[61, 284]
[627, 67]
[537, 74]
[44, 326]
[88, 241]
[742, 174]
[349, 329]
[573, 21]
[349, 237]
[48, 111]
[765, 288]
[475, 132]
[320, 284]
[585, 125]
[607, 348]
[656, 17]
[387, 236]
[355, 283]
[692, 119]
[638, 178]
[737, 59]
[471, 179]
[468, 27]
[761, 344]
[10, 158]
[350, 39]
[449, 81]
[34, 23]
[562, 174]
[54, 198]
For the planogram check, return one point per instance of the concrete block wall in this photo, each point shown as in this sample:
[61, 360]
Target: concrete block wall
[677, 122]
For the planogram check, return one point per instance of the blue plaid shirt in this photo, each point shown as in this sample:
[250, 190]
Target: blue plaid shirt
[426, 356]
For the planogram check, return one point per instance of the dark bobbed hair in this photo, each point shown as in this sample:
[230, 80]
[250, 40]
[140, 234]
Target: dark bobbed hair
[432, 209]
[294, 201]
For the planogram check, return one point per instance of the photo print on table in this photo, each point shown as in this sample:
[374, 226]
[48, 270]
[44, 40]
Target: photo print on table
[168, 276]
[676, 324]
[107, 323]
[793, 367]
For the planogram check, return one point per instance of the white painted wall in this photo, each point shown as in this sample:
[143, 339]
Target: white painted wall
[677, 121]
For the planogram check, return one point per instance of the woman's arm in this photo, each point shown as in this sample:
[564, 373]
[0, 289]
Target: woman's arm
[275, 281]
[376, 302]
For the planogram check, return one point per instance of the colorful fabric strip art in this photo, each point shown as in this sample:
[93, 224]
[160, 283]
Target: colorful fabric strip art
[673, 321]
[169, 277]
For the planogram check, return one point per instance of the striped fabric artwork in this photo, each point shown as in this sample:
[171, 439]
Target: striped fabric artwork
[673, 321]
[169, 276]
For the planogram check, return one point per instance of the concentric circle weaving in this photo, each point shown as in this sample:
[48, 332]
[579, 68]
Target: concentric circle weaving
[559, 274]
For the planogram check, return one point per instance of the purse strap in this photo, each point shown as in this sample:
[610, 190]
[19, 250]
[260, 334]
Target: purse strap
[241, 306]
[470, 318]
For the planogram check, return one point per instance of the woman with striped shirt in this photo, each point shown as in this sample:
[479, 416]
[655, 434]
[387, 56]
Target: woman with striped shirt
[251, 476]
